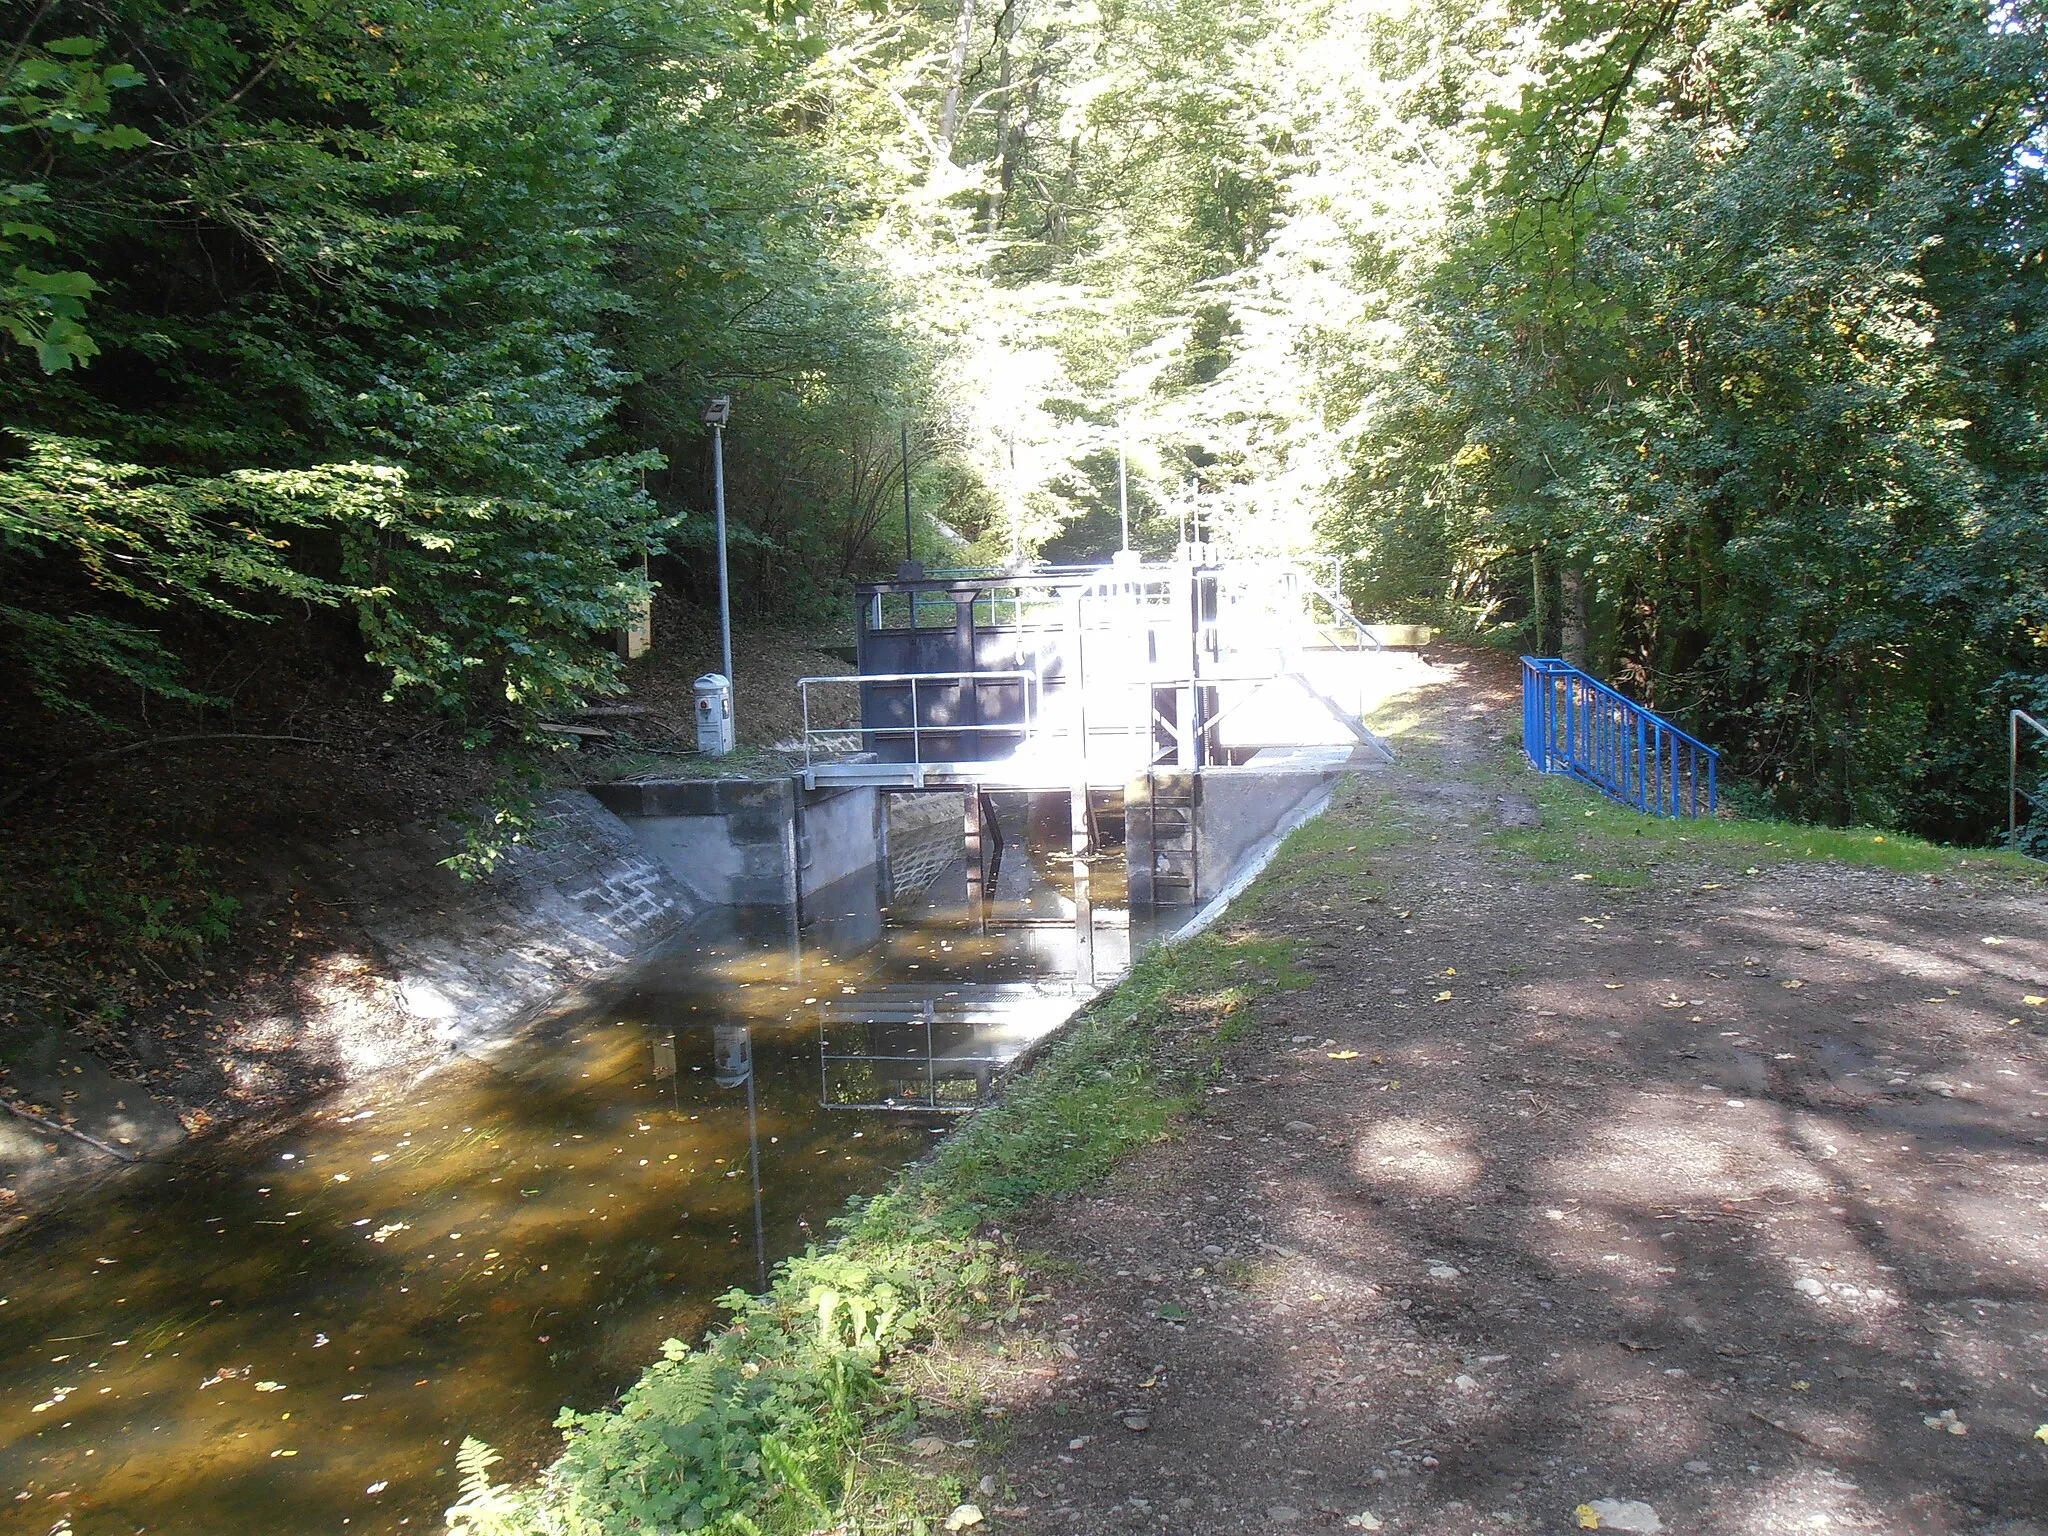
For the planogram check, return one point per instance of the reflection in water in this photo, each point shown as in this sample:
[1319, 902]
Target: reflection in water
[733, 1045]
[292, 1332]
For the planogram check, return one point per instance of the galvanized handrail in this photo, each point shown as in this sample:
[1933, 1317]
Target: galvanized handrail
[2012, 774]
[1574, 723]
[1343, 611]
[1022, 730]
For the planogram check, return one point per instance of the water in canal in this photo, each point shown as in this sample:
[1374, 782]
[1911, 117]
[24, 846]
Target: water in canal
[294, 1337]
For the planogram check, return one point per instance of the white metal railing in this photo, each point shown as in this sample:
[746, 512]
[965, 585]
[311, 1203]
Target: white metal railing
[856, 738]
[2012, 774]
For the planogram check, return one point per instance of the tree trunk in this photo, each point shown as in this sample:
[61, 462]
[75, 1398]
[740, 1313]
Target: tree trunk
[949, 114]
[1571, 583]
[994, 204]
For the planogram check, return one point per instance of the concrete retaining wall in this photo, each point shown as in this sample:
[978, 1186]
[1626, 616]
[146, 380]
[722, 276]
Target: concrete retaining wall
[1238, 810]
[750, 842]
[580, 899]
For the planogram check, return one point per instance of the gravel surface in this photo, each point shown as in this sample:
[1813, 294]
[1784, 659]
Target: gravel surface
[1716, 1206]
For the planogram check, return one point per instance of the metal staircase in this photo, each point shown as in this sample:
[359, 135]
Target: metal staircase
[1574, 723]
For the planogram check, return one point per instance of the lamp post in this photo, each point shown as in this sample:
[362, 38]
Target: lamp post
[717, 411]
[1123, 488]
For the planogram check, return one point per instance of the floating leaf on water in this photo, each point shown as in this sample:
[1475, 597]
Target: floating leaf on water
[269, 1386]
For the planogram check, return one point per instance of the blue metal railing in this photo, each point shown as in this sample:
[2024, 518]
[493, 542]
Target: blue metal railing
[1576, 724]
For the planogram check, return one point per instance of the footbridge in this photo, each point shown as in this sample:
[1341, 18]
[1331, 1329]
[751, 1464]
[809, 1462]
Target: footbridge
[1184, 707]
[1083, 678]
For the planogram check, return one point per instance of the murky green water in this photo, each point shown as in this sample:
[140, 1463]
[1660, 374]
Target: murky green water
[295, 1337]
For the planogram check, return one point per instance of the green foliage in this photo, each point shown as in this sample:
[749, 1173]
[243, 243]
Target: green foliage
[93, 926]
[1735, 337]
[410, 314]
[54, 89]
[150, 539]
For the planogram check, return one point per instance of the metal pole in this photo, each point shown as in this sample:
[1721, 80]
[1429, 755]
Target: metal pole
[1016, 507]
[724, 587]
[2012, 784]
[908, 552]
[1123, 489]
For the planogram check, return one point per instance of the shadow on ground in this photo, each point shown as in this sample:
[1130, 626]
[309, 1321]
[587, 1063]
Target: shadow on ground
[1726, 1196]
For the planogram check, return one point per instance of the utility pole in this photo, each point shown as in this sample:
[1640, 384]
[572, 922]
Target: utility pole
[716, 413]
[1016, 507]
[1123, 488]
[908, 553]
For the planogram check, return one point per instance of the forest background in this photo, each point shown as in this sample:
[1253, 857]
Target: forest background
[1700, 340]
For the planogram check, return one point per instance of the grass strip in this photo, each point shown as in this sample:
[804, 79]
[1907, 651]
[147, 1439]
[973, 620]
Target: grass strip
[1588, 834]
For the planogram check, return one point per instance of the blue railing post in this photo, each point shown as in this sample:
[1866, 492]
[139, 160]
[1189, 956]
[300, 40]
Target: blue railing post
[1593, 741]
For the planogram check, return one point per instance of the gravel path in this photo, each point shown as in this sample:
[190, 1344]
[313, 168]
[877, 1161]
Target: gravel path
[1725, 1197]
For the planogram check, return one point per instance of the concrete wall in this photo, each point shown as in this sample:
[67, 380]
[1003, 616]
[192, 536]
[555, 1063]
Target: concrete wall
[729, 842]
[579, 900]
[1239, 808]
[839, 835]
[1235, 809]
[750, 842]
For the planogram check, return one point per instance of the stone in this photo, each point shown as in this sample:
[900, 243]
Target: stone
[1698, 1466]
[1806, 1285]
[1466, 1384]
[1282, 1514]
[1626, 1515]
[1137, 1423]
[964, 1517]
[1443, 1272]
[1299, 1128]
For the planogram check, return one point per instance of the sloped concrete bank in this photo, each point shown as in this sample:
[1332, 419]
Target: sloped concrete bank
[424, 965]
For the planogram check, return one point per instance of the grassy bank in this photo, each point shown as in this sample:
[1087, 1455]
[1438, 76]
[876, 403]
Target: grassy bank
[798, 1413]
[1585, 833]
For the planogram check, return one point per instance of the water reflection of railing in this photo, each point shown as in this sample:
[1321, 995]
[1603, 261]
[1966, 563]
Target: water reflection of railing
[929, 1050]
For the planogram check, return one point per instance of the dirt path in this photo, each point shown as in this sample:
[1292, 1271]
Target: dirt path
[1726, 1194]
